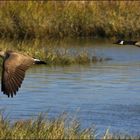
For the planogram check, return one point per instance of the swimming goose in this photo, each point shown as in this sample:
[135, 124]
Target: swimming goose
[124, 42]
[13, 70]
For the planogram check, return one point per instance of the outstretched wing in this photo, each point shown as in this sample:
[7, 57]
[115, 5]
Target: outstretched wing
[14, 68]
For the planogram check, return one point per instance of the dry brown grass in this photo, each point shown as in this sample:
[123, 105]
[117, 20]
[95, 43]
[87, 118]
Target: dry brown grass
[61, 127]
[58, 19]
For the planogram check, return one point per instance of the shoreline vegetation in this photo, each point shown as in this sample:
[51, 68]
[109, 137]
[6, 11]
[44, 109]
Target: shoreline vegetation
[61, 127]
[27, 23]
[58, 19]
[50, 52]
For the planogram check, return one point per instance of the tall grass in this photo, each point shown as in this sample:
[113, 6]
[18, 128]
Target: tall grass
[43, 128]
[58, 19]
[61, 127]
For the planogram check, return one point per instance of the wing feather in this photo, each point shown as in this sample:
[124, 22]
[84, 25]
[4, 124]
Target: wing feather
[17, 81]
[14, 68]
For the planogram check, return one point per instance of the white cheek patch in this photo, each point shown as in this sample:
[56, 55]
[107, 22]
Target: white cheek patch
[121, 43]
[36, 60]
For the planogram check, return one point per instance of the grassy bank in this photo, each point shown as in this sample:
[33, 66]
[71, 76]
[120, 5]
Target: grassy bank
[51, 52]
[58, 19]
[61, 127]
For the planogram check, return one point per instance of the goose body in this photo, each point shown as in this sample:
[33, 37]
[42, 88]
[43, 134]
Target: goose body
[13, 70]
[125, 42]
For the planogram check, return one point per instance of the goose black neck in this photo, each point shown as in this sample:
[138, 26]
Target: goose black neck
[129, 42]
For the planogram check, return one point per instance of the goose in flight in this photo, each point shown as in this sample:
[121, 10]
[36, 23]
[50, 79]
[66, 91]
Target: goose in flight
[13, 70]
[125, 42]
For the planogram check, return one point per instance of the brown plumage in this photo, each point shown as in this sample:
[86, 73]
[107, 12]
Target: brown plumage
[13, 70]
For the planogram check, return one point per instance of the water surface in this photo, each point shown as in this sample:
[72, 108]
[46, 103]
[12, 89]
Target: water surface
[106, 94]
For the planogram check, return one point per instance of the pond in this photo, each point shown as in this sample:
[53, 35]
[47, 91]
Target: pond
[106, 94]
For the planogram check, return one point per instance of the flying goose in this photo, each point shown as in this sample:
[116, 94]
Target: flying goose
[13, 70]
[124, 42]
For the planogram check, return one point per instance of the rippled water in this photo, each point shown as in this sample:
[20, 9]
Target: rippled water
[106, 94]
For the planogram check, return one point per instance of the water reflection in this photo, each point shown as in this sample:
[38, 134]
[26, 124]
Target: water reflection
[105, 94]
